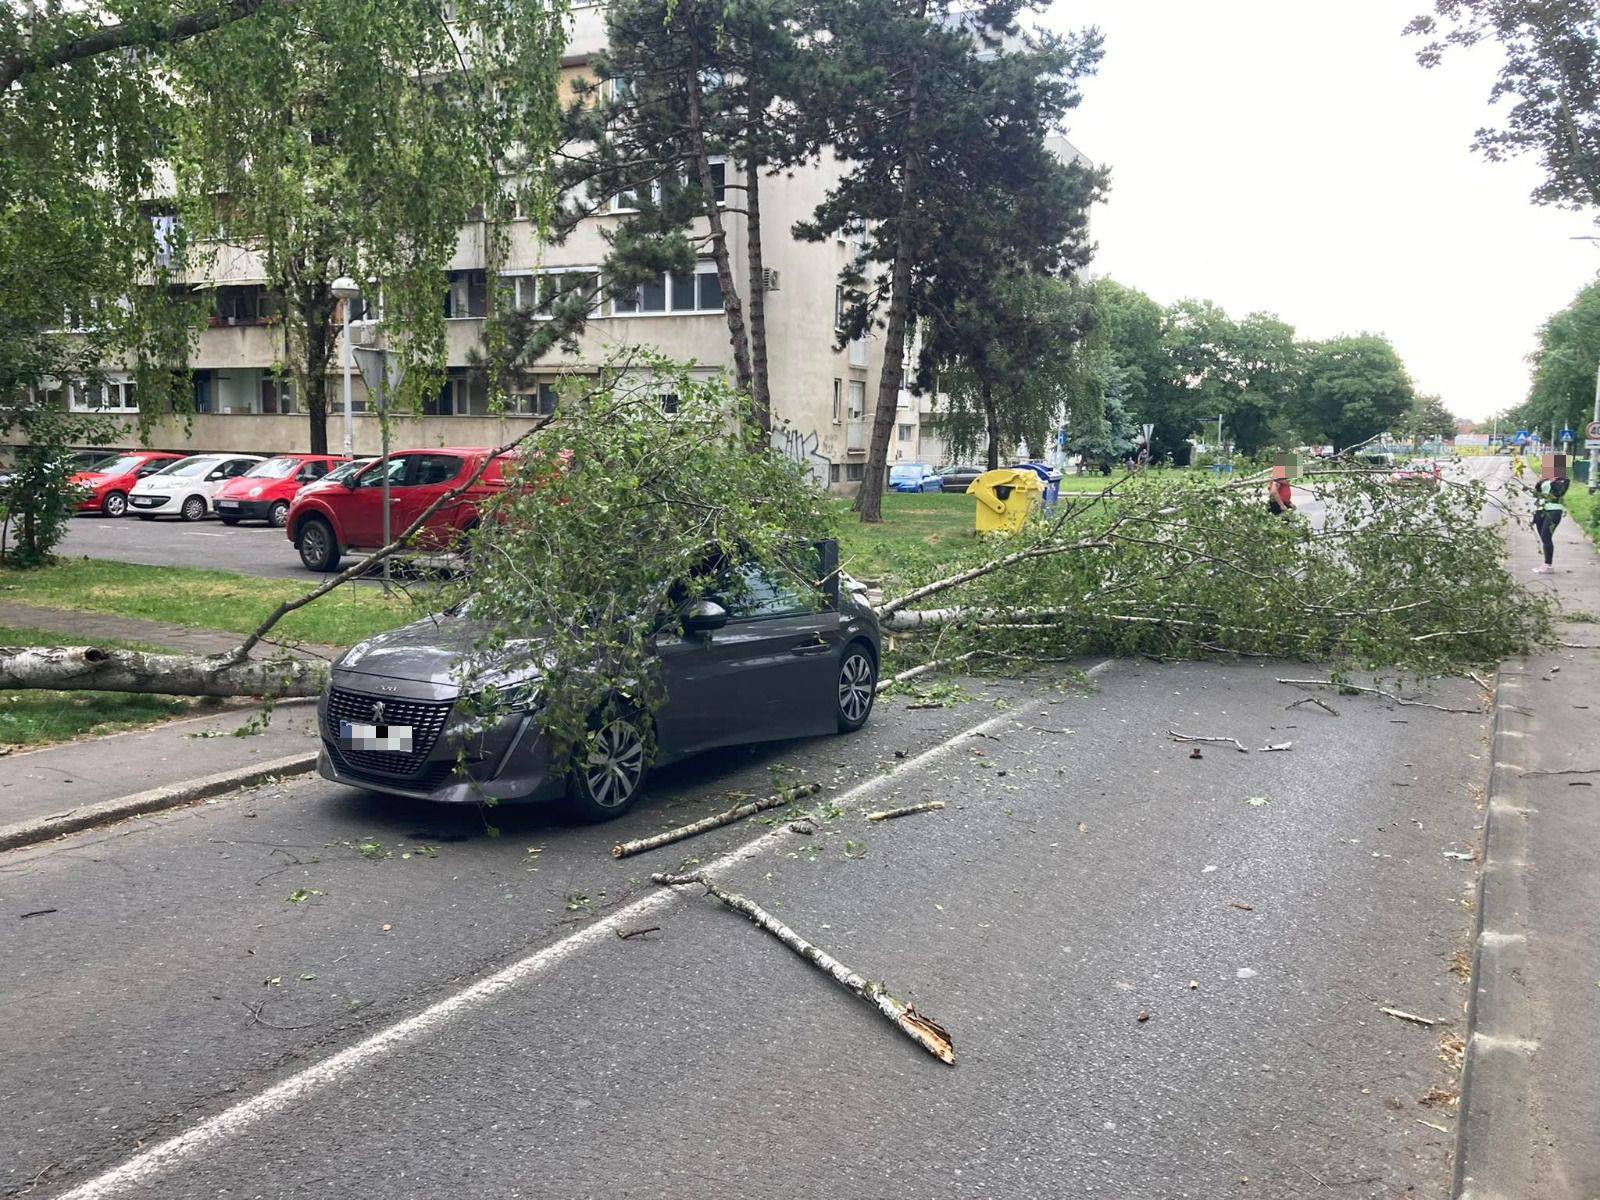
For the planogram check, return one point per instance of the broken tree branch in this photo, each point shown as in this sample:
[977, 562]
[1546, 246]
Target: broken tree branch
[1227, 741]
[91, 668]
[926, 668]
[1402, 1015]
[1372, 691]
[1322, 704]
[905, 811]
[715, 821]
[927, 1033]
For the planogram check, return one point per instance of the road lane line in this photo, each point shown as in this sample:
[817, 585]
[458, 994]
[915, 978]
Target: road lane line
[141, 1168]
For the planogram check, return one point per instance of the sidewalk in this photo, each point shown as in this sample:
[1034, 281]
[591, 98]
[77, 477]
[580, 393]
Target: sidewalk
[1530, 1110]
[55, 781]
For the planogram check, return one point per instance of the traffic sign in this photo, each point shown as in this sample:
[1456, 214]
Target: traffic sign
[1566, 435]
[1150, 429]
[1592, 430]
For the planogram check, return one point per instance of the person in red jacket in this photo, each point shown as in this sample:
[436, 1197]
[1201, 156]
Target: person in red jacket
[1280, 494]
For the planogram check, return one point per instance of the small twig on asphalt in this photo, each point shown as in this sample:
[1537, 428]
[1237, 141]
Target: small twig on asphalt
[633, 933]
[255, 1019]
[1227, 741]
[1268, 749]
[1372, 691]
[38, 912]
[1303, 1171]
[906, 811]
[926, 1032]
[1402, 1015]
[1573, 771]
[716, 821]
[1326, 707]
[1479, 680]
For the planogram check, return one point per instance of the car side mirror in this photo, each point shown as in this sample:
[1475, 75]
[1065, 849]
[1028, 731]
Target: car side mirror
[703, 616]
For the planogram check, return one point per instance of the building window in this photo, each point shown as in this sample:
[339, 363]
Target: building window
[541, 402]
[668, 402]
[115, 395]
[838, 401]
[461, 396]
[838, 309]
[719, 179]
[834, 473]
[277, 395]
[855, 472]
[700, 292]
[250, 304]
[905, 432]
[858, 398]
[465, 294]
[540, 290]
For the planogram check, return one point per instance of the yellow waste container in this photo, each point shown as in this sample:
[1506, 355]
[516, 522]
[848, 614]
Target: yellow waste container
[1005, 498]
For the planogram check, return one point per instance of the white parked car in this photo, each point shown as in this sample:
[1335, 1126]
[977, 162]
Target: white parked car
[186, 487]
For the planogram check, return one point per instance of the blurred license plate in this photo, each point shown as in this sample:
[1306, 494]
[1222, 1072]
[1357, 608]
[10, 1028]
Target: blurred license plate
[393, 738]
[227, 504]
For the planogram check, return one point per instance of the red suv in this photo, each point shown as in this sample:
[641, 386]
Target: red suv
[105, 489]
[263, 492]
[326, 521]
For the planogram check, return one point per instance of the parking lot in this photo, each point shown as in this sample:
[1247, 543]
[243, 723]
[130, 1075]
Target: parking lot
[209, 544]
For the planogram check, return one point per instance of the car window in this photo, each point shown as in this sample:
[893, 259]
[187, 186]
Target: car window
[315, 469]
[236, 467]
[435, 469]
[188, 467]
[751, 591]
[153, 468]
[273, 468]
[374, 477]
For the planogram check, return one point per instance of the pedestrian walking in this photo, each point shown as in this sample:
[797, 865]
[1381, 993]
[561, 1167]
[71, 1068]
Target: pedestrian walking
[1280, 493]
[1547, 507]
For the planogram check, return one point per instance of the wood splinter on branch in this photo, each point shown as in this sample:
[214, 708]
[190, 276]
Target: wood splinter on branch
[716, 821]
[1322, 704]
[1185, 737]
[927, 1033]
[908, 810]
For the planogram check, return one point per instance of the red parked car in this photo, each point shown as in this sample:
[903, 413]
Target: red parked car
[105, 489]
[264, 491]
[324, 522]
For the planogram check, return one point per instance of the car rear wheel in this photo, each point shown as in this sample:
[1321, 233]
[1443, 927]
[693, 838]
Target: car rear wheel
[858, 687]
[114, 505]
[194, 508]
[278, 514]
[607, 774]
[319, 550]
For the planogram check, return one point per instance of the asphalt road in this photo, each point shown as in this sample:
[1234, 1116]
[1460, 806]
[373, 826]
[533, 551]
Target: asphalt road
[470, 1024]
[253, 549]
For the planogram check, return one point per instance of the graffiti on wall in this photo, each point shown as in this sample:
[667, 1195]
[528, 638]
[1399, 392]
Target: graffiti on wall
[803, 448]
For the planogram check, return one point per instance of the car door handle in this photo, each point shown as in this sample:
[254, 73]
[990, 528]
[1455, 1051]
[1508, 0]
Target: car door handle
[815, 646]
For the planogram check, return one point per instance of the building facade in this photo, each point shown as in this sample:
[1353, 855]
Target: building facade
[822, 395]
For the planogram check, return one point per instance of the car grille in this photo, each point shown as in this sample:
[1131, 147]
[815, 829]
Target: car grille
[428, 779]
[426, 718]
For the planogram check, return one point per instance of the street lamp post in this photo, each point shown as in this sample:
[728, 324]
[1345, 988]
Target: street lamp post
[1594, 451]
[346, 290]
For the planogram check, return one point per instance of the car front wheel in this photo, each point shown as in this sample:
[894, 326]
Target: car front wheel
[114, 505]
[278, 515]
[858, 687]
[194, 508]
[608, 770]
[319, 551]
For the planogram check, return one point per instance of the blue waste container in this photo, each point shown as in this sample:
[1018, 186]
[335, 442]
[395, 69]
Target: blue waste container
[1051, 479]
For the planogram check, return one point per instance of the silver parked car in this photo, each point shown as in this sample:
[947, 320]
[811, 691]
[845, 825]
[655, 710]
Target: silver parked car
[759, 663]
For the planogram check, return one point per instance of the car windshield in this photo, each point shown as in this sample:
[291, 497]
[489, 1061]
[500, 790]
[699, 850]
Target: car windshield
[907, 471]
[273, 468]
[344, 471]
[117, 466]
[189, 466]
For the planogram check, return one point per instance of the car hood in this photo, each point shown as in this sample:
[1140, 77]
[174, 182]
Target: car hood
[165, 483]
[434, 651]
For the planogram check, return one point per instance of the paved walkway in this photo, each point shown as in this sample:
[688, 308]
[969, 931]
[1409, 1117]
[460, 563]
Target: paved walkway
[70, 623]
[1531, 1105]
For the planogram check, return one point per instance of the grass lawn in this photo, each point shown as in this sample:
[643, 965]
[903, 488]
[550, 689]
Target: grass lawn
[35, 718]
[206, 599]
[1583, 508]
[915, 530]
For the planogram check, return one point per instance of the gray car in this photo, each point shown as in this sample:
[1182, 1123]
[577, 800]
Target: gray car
[760, 663]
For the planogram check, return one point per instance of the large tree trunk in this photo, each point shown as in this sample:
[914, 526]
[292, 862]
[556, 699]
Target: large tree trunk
[316, 312]
[869, 500]
[79, 668]
[760, 391]
[991, 420]
[732, 309]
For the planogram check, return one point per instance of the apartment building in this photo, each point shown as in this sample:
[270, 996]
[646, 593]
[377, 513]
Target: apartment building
[822, 397]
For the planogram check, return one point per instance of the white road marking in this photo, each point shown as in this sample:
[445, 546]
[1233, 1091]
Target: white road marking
[142, 1167]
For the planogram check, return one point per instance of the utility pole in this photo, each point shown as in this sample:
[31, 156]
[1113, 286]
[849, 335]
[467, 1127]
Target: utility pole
[1594, 451]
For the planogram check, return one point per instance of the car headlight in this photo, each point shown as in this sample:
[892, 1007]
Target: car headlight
[254, 492]
[520, 697]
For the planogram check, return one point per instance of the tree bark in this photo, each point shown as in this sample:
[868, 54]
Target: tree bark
[89, 668]
[732, 309]
[928, 1034]
[991, 421]
[760, 389]
[316, 313]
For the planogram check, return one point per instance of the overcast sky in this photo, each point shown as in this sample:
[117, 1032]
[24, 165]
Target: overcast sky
[1290, 157]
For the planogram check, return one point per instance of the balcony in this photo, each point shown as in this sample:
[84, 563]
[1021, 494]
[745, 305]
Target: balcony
[856, 435]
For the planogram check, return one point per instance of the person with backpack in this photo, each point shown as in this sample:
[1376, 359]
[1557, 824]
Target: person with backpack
[1547, 507]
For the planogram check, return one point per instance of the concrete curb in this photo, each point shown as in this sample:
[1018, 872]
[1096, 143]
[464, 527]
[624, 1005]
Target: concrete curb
[1494, 1124]
[172, 795]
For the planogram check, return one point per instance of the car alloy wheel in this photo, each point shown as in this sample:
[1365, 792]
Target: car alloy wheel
[278, 514]
[194, 508]
[857, 687]
[317, 548]
[613, 768]
[114, 505]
